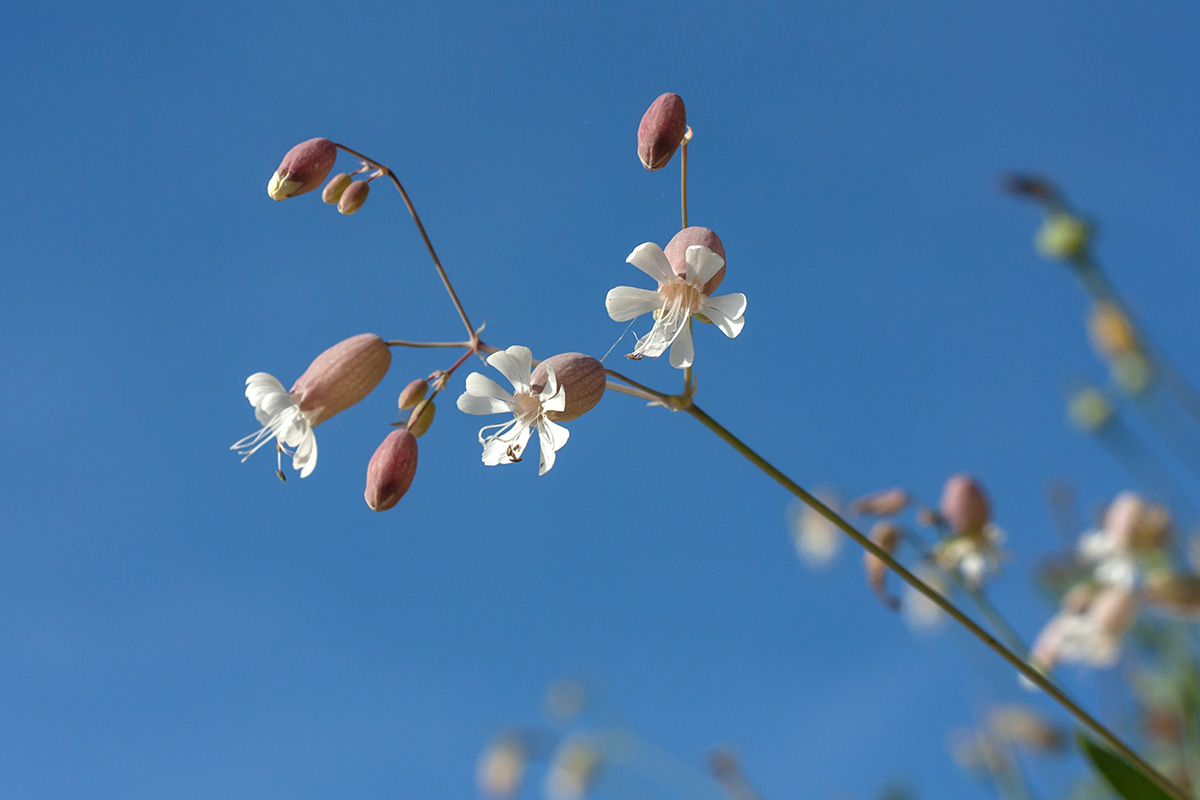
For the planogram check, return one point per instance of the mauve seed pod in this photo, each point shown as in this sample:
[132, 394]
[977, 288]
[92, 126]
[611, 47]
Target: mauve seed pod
[421, 417]
[676, 251]
[334, 189]
[964, 505]
[353, 197]
[661, 131]
[582, 376]
[391, 470]
[341, 376]
[412, 394]
[881, 504]
[302, 169]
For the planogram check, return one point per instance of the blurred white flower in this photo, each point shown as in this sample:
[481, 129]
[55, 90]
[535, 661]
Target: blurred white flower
[816, 539]
[922, 614]
[676, 300]
[974, 556]
[528, 407]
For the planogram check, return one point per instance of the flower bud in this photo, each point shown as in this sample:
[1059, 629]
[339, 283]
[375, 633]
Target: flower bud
[881, 504]
[573, 769]
[662, 129]
[1030, 186]
[582, 377]
[412, 394]
[1174, 592]
[887, 536]
[1089, 410]
[302, 169]
[353, 197]
[964, 505]
[502, 766]
[1131, 372]
[334, 189]
[421, 417]
[1136, 524]
[676, 251]
[1063, 237]
[391, 470]
[1111, 331]
[341, 376]
[1025, 727]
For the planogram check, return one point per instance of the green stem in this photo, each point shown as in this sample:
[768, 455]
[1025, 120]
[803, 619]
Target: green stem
[1035, 676]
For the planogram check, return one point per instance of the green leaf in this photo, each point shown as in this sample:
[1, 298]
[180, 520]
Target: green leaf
[1125, 779]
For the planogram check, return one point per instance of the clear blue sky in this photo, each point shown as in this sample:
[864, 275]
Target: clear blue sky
[176, 624]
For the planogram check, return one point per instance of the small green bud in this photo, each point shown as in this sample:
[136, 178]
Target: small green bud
[421, 417]
[334, 189]
[1063, 237]
[1089, 410]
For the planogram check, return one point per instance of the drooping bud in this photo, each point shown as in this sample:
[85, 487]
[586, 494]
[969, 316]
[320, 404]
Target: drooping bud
[1111, 331]
[1025, 727]
[502, 766]
[1032, 187]
[1063, 237]
[662, 129]
[302, 169]
[334, 189]
[421, 417]
[882, 504]
[887, 536]
[353, 197]
[1089, 409]
[391, 470]
[341, 376]
[412, 394]
[676, 251]
[964, 505]
[581, 376]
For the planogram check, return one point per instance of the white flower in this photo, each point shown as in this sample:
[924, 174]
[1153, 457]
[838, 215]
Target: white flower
[1112, 562]
[675, 301]
[974, 556]
[529, 408]
[281, 418]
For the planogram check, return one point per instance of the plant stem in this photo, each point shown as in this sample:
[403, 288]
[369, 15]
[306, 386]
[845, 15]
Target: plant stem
[402, 343]
[1035, 676]
[683, 174]
[462, 314]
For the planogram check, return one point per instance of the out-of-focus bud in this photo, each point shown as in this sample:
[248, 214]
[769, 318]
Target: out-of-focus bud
[881, 504]
[1174, 592]
[353, 197]
[302, 169]
[334, 189]
[1023, 726]
[502, 766]
[976, 752]
[1131, 372]
[582, 378]
[341, 376]
[1032, 187]
[1063, 237]
[964, 505]
[1089, 410]
[1111, 331]
[887, 536]
[421, 417]
[662, 128]
[391, 470]
[930, 518]
[816, 539]
[566, 699]
[676, 252]
[1136, 524]
[573, 769]
[1113, 611]
[412, 394]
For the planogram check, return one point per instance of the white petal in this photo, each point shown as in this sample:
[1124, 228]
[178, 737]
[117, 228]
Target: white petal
[551, 437]
[701, 264]
[682, 351]
[305, 459]
[654, 343]
[651, 259]
[625, 302]
[725, 312]
[554, 396]
[474, 404]
[516, 364]
[261, 384]
[481, 385]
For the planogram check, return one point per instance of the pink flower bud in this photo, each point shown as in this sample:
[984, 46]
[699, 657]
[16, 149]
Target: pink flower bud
[302, 169]
[341, 376]
[353, 197]
[662, 129]
[412, 394]
[334, 189]
[421, 417]
[881, 504]
[676, 251]
[582, 378]
[1135, 523]
[964, 505]
[391, 470]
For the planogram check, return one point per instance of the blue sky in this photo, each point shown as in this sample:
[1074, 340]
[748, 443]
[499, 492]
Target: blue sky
[177, 624]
